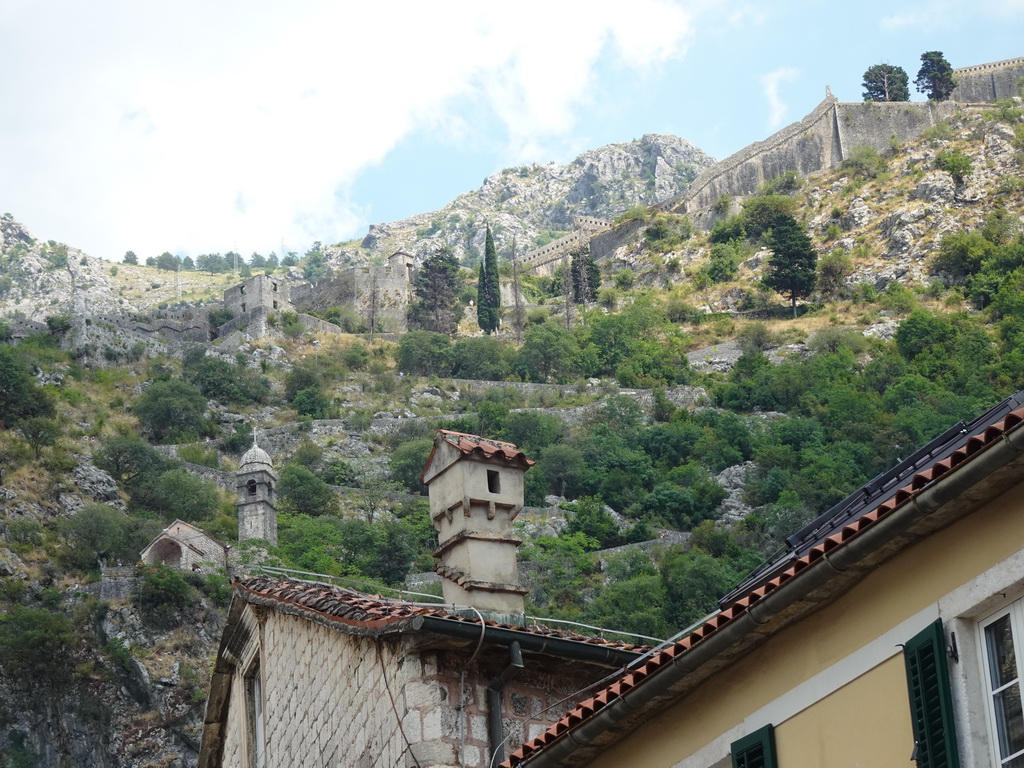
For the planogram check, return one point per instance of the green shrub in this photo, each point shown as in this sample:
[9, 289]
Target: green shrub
[864, 162]
[956, 164]
[198, 453]
[35, 645]
[162, 593]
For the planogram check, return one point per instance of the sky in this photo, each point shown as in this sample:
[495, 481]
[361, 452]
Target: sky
[213, 125]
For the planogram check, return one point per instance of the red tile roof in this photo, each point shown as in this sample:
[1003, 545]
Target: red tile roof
[971, 448]
[478, 447]
[350, 609]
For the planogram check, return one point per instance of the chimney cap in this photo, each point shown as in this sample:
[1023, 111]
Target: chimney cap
[479, 448]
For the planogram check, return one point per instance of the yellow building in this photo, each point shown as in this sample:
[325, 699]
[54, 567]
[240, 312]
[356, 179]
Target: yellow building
[888, 633]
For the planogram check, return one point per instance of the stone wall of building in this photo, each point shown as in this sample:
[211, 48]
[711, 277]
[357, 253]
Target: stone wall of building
[270, 293]
[989, 82]
[339, 699]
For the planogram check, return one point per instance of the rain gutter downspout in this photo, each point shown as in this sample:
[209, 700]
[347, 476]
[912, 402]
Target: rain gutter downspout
[495, 691]
[934, 496]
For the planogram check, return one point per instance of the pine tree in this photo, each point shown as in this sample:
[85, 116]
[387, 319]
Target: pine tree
[885, 82]
[488, 313]
[935, 78]
[436, 287]
[793, 265]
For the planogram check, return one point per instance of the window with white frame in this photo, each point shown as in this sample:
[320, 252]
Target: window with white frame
[1002, 633]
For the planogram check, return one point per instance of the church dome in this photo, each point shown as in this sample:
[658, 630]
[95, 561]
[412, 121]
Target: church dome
[255, 459]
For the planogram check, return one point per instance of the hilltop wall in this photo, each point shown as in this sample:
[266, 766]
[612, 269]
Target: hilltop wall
[820, 141]
[988, 82]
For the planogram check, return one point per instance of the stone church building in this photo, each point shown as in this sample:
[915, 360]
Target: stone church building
[309, 674]
[186, 547]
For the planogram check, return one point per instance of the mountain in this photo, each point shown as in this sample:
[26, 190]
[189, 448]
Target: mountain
[533, 204]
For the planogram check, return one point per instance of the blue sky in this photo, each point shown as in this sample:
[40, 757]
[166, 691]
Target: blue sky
[211, 126]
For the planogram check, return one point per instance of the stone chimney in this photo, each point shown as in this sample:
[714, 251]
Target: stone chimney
[476, 491]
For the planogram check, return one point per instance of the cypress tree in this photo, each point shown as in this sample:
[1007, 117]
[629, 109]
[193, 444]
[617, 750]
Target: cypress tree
[488, 292]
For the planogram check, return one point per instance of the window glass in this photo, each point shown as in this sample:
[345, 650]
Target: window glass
[1001, 635]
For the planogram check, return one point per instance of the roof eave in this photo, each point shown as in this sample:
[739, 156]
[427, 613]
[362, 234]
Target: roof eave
[749, 622]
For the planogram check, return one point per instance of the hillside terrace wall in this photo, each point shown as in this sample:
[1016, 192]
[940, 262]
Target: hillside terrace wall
[988, 82]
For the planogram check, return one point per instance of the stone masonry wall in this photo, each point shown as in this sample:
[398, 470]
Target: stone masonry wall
[327, 699]
[988, 82]
[342, 700]
[873, 124]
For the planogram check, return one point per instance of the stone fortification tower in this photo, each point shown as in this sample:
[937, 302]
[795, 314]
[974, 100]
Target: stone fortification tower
[257, 497]
[476, 491]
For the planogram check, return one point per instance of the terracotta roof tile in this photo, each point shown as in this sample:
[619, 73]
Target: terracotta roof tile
[356, 609]
[741, 603]
[470, 444]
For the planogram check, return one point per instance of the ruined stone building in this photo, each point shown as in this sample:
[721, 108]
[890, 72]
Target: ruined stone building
[184, 546]
[309, 674]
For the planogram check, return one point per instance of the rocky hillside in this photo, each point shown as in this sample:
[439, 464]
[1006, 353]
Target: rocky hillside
[887, 214]
[533, 204]
[40, 279]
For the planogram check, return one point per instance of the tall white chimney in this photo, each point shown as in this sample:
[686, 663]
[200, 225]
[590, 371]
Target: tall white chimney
[476, 491]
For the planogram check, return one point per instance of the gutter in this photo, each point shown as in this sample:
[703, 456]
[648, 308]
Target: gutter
[852, 553]
[550, 646]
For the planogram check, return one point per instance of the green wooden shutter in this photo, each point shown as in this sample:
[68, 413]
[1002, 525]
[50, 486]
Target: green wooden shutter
[756, 750]
[931, 707]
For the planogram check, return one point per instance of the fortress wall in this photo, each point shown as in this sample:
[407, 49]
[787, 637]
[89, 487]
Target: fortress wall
[819, 141]
[988, 82]
[552, 251]
[316, 325]
[604, 244]
[392, 287]
[805, 146]
[873, 124]
[589, 223]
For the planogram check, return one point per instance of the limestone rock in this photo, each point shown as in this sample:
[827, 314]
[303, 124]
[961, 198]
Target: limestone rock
[95, 483]
[857, 216]
[936, 187]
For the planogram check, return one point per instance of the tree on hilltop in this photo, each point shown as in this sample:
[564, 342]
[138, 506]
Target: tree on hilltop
[792, 267]
[130, 258]
[885, 82]
[935, 78]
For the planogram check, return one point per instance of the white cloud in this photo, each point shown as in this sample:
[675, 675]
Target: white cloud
[770, 83]
[210, 126]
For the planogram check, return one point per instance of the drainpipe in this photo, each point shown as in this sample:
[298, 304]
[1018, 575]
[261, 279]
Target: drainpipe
[494, 695]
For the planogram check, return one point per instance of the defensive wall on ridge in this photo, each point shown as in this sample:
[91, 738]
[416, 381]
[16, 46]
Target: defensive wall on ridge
[543, 260]
[989, 82]
[821, 140]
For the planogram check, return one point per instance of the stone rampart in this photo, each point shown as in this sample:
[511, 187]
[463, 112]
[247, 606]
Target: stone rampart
[875, 124]
[821, 140]
[22, 327]
[545, 257]
[603, 244]
[805, 146]
[589, 223]
[316, 325]
[989, 82]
